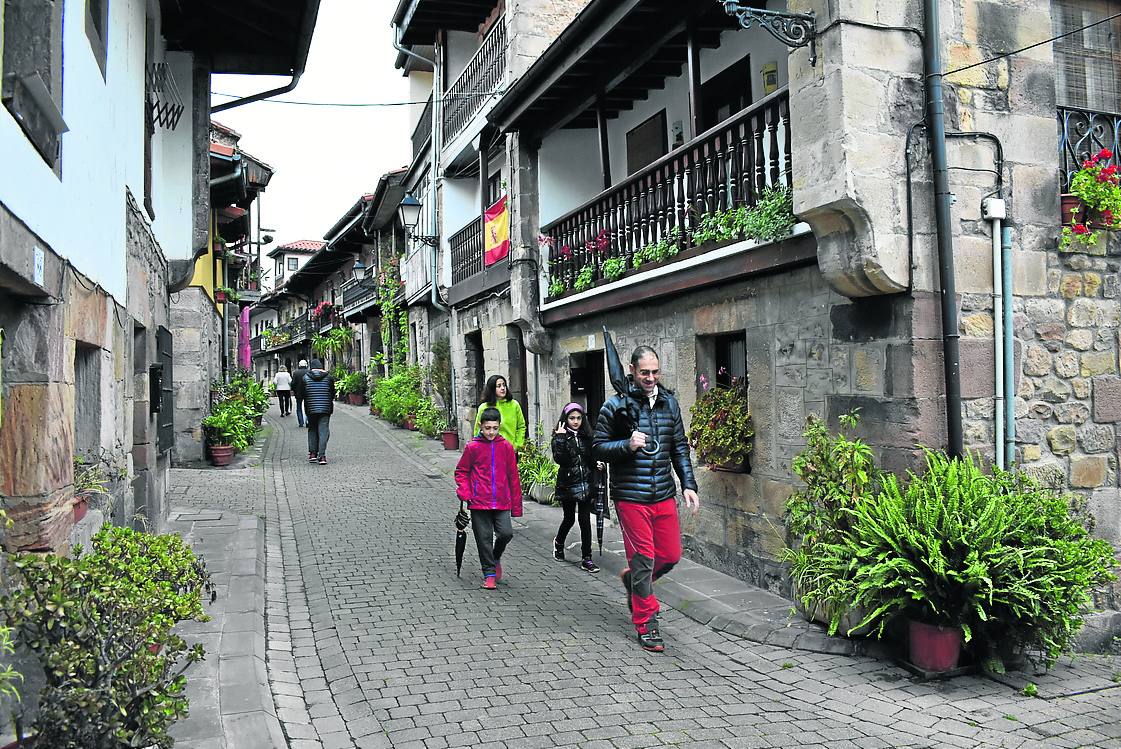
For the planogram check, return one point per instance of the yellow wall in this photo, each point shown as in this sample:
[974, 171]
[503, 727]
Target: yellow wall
[206, 266]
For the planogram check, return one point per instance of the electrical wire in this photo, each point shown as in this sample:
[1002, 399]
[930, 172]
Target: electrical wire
[1030, 46]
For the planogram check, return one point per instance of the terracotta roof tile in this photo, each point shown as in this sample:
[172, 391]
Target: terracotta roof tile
[305, 245]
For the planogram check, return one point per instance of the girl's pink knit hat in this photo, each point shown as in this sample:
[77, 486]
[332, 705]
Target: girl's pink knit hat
[570, 408]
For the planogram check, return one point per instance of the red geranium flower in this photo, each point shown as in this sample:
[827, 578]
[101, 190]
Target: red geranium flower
[1079, 229]
[1105, 153]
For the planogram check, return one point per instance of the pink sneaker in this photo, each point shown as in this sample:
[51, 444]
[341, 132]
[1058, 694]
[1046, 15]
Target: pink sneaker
[489, 583]
[497, 573]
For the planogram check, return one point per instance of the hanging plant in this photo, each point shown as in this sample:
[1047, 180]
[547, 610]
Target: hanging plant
[720, 429]
[585, 279]
[1097, 189]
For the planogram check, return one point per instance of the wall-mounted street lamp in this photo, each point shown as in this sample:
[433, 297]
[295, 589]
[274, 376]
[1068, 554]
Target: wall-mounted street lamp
[792, 29]
[409, 212]
[358, 270]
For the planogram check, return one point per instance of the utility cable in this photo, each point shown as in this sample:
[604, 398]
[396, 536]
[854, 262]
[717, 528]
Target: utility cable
[1030, 46]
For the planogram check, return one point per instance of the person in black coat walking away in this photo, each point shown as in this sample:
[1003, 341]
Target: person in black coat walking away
[319, 394]
[298, 390]
[578, 478]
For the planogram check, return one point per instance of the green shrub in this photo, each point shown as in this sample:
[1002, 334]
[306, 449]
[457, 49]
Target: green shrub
[398, 396]
[350, 383]
[535, 463]
[997, 555]
[720, 425]
[230, 423]
[94, 621]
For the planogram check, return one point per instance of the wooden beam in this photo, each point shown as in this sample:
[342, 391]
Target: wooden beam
[604, 150]
[693, 66]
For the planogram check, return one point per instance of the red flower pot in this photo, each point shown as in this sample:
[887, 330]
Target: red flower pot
[934, 648]
[450, 439]
[1074, 211]
[221, 455]
[410, 422]
[355, 399]
[81, 507]
[219, 296]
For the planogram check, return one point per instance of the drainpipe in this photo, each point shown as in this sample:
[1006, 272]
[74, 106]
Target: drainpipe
[993, 209]
[1009, 354]
[239, 170]
[936, 129]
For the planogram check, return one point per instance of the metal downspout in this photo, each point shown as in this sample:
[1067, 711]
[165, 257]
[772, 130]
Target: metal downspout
[1009, 350]
[998, 344]
[936, 129]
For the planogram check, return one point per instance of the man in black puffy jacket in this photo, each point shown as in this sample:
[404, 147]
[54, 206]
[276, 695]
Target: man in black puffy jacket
[643, 438]
[319, 403]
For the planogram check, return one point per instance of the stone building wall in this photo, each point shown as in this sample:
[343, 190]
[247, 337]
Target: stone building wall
[198, 346]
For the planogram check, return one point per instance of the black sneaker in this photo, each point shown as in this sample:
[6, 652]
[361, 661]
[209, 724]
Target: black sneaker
[651, 639]
[589, 566]
[558, 552]
[625, 576]
[312, 458]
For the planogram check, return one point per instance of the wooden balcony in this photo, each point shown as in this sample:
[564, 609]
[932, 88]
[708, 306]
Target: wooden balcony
[728, 166]
[358, 294]
[423, 131]
[483, 75]
[1082, 133]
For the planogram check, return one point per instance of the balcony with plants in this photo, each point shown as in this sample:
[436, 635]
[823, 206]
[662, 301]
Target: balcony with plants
[729, 186]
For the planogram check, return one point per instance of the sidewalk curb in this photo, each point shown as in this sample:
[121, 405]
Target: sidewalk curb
[714, 599]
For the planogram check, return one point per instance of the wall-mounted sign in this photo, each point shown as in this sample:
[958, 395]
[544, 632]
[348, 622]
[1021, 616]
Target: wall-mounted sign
[770, 77]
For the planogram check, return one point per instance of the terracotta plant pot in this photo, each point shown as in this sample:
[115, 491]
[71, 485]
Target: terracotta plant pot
[410, 422]
[450, 439]
[933, 648]
[221, 455]
[219, 297]
[81, 507]
[355, 399]
[1073, 211]
[729, 467]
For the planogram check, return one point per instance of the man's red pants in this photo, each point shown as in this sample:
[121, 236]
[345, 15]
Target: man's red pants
[652, 539]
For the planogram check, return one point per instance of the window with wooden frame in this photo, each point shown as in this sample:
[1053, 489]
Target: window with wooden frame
[31, 72]
[1087, 62]
[647, 142]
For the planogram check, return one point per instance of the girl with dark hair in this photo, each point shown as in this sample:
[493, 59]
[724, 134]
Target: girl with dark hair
[577, 479]
[497, 395]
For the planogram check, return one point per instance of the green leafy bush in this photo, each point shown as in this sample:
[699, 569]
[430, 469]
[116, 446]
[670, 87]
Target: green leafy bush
[230, 423]
[350, 383]
[614, 268]
[430, 420]
[772, 216]
[100, 624]
[997, 555]
[557, 286]
[535, 463]
[398, 396]
[585, 279]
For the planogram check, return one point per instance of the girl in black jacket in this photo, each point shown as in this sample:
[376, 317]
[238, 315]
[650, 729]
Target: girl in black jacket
[577, 480]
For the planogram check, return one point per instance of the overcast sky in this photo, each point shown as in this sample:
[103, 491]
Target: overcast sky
[326, 157]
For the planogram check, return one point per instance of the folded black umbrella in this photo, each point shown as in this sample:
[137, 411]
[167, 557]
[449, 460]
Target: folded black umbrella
[461, 521]
[627, 416]
[601, 510]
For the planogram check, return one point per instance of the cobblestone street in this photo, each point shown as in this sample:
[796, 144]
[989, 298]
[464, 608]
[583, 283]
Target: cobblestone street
[372, 641]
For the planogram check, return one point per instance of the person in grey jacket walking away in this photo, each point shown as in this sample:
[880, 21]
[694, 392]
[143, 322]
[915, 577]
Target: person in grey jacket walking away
[298, 390]
[319, 394]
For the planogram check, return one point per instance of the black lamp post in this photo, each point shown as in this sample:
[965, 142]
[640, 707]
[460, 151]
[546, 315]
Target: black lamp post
[409, 213]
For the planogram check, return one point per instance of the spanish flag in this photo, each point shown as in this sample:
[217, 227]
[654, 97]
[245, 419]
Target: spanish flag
[496, 231]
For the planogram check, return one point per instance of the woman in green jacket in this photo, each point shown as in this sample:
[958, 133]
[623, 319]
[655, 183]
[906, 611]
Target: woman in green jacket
[497, 395]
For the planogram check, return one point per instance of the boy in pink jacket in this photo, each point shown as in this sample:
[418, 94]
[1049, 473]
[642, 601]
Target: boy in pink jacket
[486, 478]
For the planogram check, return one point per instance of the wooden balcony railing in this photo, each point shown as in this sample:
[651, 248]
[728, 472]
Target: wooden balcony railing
[1082, 133]
[423, 130]
[481, 78]
[255, 344]
[467, 251]
[727, 166]
[359, 292]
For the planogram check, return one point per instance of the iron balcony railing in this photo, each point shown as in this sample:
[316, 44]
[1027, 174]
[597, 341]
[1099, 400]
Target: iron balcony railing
[467, 251]
[478, 81]
[423, 131]
[727, 166]
[359, 292]
[1082, 133]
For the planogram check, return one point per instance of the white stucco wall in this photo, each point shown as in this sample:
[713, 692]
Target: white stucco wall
[568, 172]
[173, 169]
[461, 46]
[81, 214]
